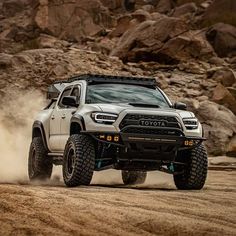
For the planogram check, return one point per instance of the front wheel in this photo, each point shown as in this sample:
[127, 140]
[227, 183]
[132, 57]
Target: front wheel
[194, 172]
[78, 160]
[133, 177]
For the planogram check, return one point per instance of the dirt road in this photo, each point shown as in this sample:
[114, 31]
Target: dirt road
[155, 208]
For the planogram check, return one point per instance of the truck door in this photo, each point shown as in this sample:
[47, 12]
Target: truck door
[67, 114]
[55, 122]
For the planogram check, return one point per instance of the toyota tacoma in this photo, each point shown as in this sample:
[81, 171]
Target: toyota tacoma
[99, 122]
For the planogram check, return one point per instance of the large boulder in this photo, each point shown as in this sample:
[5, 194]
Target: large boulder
[220, 11]
[165, 6]
[222, 95]
[165, 40]
[72, 20]
[223, 39]
[189, 45]
[225, 76]
[143, 42]
[188, 8]
[129, 21]
[219, 126]
[122, 25]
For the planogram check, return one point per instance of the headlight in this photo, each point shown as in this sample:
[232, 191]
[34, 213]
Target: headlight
[190, 123]
[104, 118]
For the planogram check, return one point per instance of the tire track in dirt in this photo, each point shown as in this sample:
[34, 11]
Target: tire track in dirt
[155, 208]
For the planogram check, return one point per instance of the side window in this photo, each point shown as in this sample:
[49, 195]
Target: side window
[51, 105]
[66, 92]
[76, 92]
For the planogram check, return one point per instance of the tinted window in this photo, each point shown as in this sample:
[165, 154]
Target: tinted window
[65, 93]
[76, 92]
[120, 93]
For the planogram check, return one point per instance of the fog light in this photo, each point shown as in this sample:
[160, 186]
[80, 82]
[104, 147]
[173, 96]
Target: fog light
[189, 143]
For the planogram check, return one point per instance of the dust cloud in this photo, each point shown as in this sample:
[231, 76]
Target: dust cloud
[17, 112]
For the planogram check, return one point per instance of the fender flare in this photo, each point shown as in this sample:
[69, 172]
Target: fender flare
[38, 125]
[79, 120]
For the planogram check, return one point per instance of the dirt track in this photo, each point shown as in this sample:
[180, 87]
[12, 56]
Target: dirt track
[154, 208]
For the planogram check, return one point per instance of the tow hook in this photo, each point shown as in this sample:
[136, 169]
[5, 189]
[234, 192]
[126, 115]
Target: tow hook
[171, 167]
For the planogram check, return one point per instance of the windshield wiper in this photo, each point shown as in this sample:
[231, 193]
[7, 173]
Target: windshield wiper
[143, 105]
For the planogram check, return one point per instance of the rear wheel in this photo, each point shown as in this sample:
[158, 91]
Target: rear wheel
[133, 177]
[194, 172]
[39, 164]
[78, 160]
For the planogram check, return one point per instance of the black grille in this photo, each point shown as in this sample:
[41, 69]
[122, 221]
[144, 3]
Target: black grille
[154, 131]
[134, 119]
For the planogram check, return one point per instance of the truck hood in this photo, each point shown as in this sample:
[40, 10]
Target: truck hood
[118, 108]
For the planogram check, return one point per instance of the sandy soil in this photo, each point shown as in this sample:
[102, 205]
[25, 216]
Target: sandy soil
[109, 208]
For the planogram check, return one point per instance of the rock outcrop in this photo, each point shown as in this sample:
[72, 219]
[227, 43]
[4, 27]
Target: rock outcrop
[223, 39]
[222, 96]
[143, 42]
[219, 126]
[220, 11]
[166, 40]
[225, 76]
[185, 9]
[72, 20]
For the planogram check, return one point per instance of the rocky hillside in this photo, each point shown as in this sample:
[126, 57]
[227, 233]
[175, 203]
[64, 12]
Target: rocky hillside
[188, 46]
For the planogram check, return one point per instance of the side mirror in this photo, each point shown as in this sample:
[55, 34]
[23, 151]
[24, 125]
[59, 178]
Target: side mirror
[70, 101]
[180, 106]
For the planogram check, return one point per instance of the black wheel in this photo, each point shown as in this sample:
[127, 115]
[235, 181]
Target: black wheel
[133, 177]
[78, 160]
[194, 171]
[39, 164]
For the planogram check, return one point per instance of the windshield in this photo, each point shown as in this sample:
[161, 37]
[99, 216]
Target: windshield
[123, 93]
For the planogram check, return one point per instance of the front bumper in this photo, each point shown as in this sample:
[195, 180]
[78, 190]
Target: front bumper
[137, 150]
[129, 140]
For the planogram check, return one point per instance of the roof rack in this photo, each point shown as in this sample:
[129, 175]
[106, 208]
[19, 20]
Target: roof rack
[57, 87]
[94, 79]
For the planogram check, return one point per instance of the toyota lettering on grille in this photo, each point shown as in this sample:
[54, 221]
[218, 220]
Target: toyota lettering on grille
[153, 123]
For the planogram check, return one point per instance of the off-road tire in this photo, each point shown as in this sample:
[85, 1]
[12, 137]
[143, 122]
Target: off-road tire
[78, 160]
[133, 177]
[195, 171]
[39, 164]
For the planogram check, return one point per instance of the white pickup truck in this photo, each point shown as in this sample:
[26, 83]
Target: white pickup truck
[97, 122]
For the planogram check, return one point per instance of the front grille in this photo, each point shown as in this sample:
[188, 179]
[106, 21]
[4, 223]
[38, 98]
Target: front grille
[134, 119]
[154, 131]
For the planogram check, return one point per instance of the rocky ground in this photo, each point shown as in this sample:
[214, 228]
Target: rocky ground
[109, 208]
